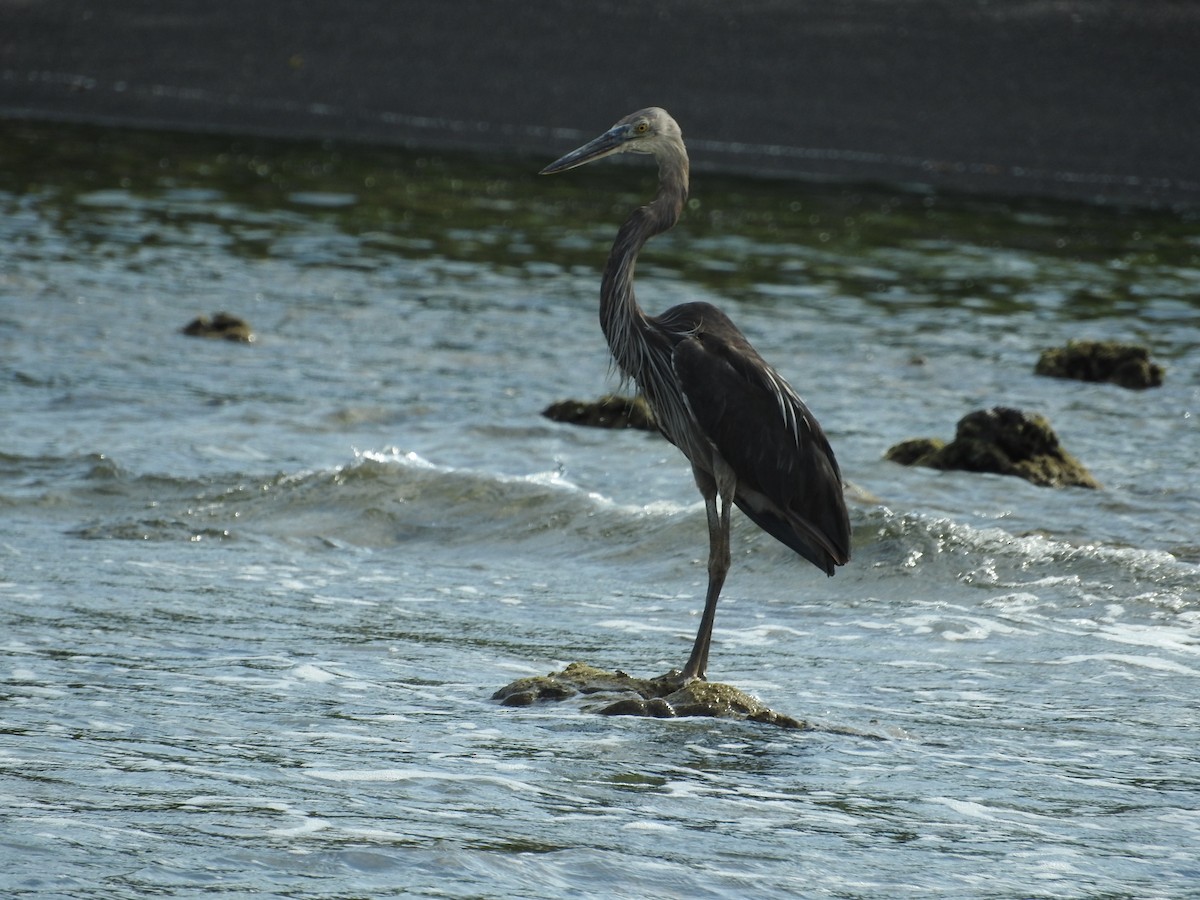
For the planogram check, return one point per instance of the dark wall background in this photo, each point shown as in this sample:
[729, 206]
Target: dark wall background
[1095, 100]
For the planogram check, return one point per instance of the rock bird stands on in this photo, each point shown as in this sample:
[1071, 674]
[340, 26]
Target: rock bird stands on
[749, 437]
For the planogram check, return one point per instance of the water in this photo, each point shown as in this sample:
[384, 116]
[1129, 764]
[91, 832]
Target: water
[255, 598]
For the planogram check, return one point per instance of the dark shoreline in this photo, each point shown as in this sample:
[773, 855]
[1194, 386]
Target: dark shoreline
[1078, 100]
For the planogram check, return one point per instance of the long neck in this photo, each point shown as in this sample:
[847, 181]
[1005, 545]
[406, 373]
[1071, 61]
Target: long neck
[622, 319]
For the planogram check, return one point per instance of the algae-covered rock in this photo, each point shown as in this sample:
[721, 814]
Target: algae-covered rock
[914, 452]
[702, 698]
[1127, 365]
[607, 412]
[577, 678]
[1004, 441]
[221, 325]
[620, 694]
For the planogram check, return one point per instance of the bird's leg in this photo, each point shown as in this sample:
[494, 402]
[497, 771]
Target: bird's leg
[717, 508]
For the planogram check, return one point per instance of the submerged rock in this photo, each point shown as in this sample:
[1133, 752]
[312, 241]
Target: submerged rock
[619, 694]
[607, 412]
[221, 325]
[1127, 365]
[1000, 440]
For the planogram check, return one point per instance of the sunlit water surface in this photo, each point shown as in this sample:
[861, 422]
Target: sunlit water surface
[255, 599]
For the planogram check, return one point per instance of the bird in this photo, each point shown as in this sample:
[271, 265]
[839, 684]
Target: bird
[751, 440]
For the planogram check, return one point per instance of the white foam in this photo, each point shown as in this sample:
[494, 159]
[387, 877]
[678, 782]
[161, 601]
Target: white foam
[396, 775]
[637, 626]
[310, 672]
[307, 826]
[640, 825]
[342, 601]
[1159, 636]
[1153, 663]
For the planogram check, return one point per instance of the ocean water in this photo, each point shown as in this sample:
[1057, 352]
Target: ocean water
[254, 599]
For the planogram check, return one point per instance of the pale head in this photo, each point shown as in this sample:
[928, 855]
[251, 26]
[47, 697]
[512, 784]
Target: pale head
[650, 130]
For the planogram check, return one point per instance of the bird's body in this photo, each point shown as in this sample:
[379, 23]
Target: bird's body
[750, 439]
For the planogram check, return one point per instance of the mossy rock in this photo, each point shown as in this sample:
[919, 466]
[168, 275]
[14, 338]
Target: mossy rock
[222, 325]
[1000, 440]
[620, 694]
[1127, 365]
[607, 412]
[914, 452]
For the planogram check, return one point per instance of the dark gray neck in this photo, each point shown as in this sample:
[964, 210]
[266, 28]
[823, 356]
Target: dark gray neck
[622, 319]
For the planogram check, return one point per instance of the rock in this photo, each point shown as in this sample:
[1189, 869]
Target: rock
[607, 412]
[915, 451]
[620, 694]
[703, 698]
[1127, 365]
[221, 325]
[1001, 440]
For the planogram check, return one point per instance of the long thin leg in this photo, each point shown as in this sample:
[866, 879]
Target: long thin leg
[717, 508]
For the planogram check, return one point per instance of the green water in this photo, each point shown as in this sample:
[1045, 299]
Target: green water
[495, 211]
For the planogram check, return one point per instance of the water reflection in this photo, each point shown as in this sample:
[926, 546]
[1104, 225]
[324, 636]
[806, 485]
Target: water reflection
[736, 236]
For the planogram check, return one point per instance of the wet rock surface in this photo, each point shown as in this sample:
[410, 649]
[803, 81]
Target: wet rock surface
[222, 325]
[1000, 440]
[1127, 365]
[619, 694]
[608, 412]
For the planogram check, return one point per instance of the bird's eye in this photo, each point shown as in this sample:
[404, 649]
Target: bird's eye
[641, 127]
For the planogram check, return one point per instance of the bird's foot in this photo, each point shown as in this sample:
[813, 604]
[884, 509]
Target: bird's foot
[676, 679]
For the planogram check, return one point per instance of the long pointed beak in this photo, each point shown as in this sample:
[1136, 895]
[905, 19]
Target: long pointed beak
[612, 141]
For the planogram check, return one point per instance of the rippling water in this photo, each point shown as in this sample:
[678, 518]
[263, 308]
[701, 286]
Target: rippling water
[255, 598]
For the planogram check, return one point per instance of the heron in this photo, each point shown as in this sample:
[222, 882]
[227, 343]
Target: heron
[751, 440]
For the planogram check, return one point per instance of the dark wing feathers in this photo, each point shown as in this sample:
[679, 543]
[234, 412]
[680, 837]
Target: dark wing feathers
[788, 480]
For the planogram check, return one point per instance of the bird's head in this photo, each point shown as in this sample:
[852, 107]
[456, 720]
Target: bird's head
[650, 130]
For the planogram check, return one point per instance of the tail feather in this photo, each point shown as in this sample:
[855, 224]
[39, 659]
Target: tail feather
[806, 541]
